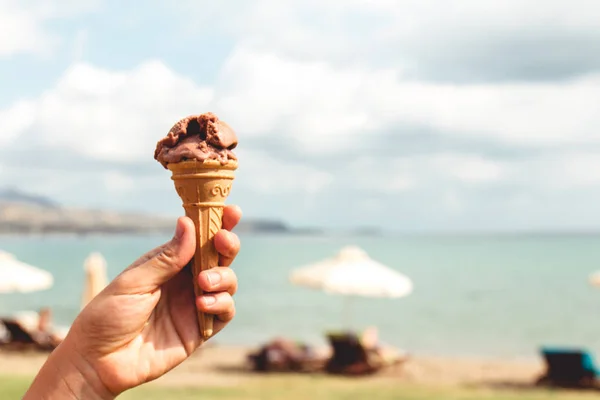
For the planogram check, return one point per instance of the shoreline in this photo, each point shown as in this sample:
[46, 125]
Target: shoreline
[225, 365]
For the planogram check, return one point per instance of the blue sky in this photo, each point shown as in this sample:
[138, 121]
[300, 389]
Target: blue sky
[420, 115]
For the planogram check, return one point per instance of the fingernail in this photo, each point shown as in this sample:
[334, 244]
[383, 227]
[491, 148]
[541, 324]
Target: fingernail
[213, 278]
[210, 300]
[178, 230]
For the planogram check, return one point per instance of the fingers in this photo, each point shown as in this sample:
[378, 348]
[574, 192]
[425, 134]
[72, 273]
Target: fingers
[227, 245]
[161, 264]
[218, 279]
[219, 304]
[231, 217]
[219, 284]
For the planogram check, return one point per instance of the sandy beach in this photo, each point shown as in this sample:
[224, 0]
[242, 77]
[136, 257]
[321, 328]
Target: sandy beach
[226, 366]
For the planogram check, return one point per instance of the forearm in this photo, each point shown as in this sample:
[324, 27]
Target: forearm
[65, 377]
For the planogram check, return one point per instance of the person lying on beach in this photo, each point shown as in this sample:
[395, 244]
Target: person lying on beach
[143, 324]
[45, 332]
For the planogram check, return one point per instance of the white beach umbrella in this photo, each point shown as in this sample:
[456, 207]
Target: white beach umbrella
[95, 277]
[595, 279]
[353, 273]
[16, 276]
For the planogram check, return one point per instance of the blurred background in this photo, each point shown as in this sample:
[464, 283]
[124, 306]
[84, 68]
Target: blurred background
[455, 142]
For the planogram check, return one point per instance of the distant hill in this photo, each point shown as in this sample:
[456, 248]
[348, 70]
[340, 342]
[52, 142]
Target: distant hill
[22, 213]
[263, 226]
[11, 195]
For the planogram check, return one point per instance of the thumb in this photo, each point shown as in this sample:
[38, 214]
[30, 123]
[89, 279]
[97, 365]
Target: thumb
[161, 264]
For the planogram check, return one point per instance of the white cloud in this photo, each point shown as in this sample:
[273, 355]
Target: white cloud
[416, 15]
[399, 183]
[268, 174]
[15, 120]
[108, 115]
[117, 182]
[376, 177]
[21, 30]
[452, 202]
[414, 35]
[312, 103]
[567, 170]
[524, 114]
[333, 109]
[469, 168]
[581, 169]
[413, 173]
[317, 105]
[79, 44]
[43, 181]
[119, 115]
[24, 23]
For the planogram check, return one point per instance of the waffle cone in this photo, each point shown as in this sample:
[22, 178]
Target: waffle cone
[203, 188]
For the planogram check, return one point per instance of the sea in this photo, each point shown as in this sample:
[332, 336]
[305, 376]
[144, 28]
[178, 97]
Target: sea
[481, 296]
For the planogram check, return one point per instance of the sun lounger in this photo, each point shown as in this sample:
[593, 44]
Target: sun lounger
[19, 338]
[353, 357]
[573, 368]
[349, 356]
[282, 355]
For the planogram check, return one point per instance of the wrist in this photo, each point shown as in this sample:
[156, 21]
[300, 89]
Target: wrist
[67, 376]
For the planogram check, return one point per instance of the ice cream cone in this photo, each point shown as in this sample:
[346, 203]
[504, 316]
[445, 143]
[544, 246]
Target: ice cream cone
[203, 187]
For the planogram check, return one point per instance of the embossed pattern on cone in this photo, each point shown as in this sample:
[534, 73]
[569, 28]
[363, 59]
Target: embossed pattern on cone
[203, 188]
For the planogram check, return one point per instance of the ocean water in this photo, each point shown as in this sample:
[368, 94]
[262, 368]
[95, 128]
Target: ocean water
[475, 296]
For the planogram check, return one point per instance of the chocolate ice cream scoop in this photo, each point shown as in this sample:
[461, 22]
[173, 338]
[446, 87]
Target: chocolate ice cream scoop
[197, 137]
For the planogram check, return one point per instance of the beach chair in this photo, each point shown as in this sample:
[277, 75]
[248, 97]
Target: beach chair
[19, 338]
[572, 368]
[354, 356]
[282, 355]
[350, 356]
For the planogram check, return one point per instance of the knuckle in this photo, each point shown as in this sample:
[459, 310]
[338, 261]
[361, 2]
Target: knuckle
[236, 244]
[166, 258]
[205, 281]
[225, 298]
[231, 244]
[229, 314]
[227, 274]
[235, 239]
[233, 287]
[228, 281]
[225, 301]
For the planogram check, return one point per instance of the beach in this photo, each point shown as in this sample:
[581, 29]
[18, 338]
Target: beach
[221, 372]
[226, 366]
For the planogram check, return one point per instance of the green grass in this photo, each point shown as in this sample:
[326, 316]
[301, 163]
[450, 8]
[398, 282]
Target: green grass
[13, 388]
[318, 388]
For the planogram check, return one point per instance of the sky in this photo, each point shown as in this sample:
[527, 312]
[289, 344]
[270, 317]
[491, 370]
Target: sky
[408, 115]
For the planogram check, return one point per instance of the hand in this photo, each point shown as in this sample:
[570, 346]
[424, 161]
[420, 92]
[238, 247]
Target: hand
[144, 323]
